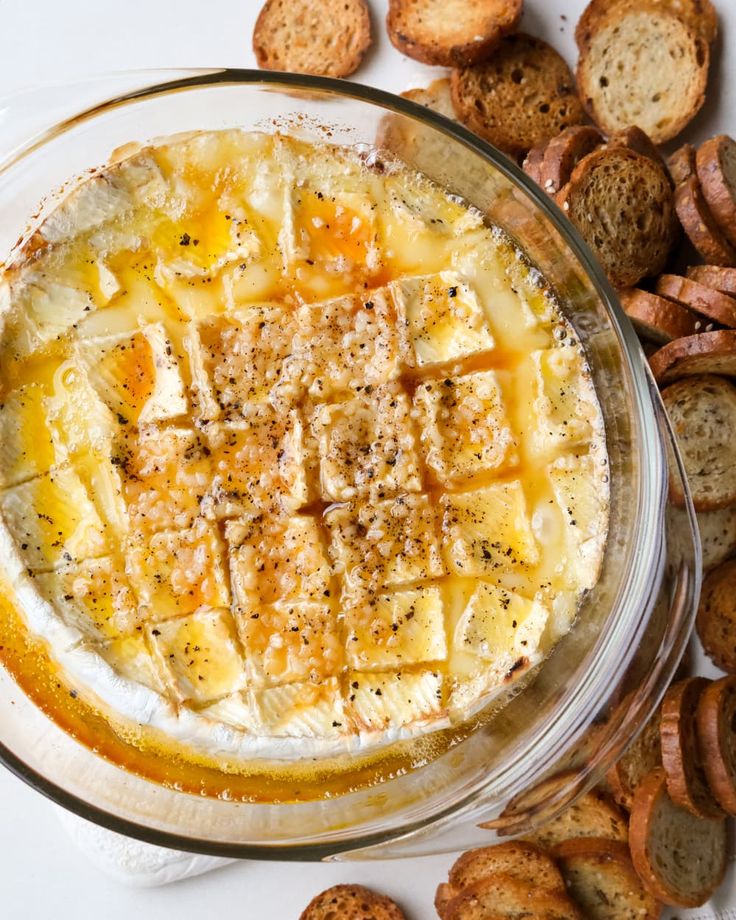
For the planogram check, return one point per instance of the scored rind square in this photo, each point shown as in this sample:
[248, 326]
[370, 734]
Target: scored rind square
[68, 528]
[487, 531]
[174, 573]
[136, 375]
[498, 619]
[166, 473]
[27, 446]
[441, 317]
[258, 465]
[395, 630]
[465, 428]
[348, 343]
[300, 710]
[93, 596]
[290, 641]
[246, 359]
[565, 401]
[366, 445]
[200, 655]
[391, 700]
[387, 543]
[274, 559]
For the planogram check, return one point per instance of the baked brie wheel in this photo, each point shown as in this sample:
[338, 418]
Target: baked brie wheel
[297, 457]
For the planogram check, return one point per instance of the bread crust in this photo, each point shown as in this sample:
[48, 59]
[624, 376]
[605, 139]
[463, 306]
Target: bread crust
[717, 535]
[705, 353]
[532, 164]
[681, 164]
[636, 139]
[311, 50]
[564, 152]
[442, 898]
[716, 619]
[681, 759]
[652, 792]
[699, 14]
[714, 276]
[700, 225]
[348, 902]
[717, 306]
[430, 44]
[526, 76]
[719, 193]
[715, 719]
[658, 318]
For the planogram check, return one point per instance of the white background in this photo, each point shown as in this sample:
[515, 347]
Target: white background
[42, 874]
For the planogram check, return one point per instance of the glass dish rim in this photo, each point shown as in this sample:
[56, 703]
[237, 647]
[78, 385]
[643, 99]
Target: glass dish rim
[652, 487]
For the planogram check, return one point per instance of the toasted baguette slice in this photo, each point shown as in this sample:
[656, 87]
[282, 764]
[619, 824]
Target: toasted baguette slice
[621, 202]
[717, 306]
[657, 318]
[686, 781]
[451, 33]
[680, 859]
[702, 412]
[436, 96]
[526, 77]
[351, 902]
[700, 225]
[564, 152]
[706, 353]
[681, 164]
[700, 15]
[714, 276]
[297, 36]
[517, 859]
[636, 139]
[503, 896]
[622, 83]
[592, 815]
[602, 881]
[716, 718]
[716, 165]
[716, 620]
[532, 164]
[642, 756]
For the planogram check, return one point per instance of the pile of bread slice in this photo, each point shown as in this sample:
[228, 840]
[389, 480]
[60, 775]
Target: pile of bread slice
[653, 834]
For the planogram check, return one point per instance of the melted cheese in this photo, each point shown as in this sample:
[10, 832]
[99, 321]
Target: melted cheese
[297, 458]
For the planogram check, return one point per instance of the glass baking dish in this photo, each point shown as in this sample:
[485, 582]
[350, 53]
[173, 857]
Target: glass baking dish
[578, 712]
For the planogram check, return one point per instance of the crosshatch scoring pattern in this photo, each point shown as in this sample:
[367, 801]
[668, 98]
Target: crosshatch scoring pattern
[298, 444]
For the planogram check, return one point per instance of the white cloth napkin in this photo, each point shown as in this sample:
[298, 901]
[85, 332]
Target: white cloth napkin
[132, 862]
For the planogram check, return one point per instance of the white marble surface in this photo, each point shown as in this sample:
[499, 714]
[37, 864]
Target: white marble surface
[42, 874]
